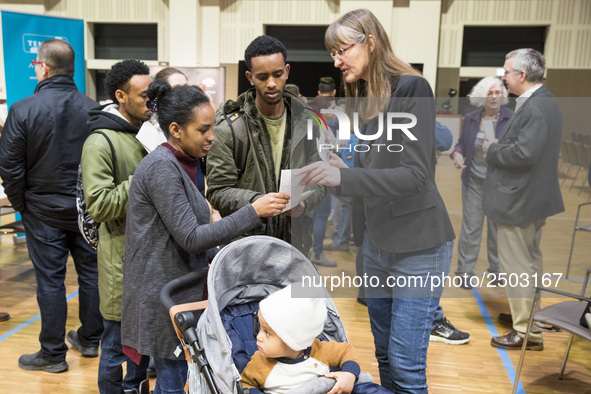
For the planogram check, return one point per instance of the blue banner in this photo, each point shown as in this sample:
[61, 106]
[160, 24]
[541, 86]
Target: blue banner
[22, 36]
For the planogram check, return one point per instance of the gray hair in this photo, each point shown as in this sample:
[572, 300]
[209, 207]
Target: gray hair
[530, 61]
[59, 55]
[479, 92]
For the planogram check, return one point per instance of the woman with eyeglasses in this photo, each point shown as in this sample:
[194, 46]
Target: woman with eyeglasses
[407, 233]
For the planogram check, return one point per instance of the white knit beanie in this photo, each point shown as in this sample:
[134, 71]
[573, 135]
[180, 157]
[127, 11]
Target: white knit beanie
[297, 321]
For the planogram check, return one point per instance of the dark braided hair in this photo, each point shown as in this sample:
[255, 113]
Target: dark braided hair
[174, 105]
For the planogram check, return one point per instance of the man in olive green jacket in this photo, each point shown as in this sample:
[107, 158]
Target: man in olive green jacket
[276, 131]
[106, 190]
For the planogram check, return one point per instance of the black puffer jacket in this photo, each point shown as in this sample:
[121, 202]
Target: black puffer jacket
[40, 151]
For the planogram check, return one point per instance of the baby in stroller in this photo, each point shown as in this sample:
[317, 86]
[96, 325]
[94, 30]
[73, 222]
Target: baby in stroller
[242, 275]
[289, 354]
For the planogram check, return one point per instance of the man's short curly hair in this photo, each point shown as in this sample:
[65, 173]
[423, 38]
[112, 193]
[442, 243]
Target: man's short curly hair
[262, 46]
[120, 74]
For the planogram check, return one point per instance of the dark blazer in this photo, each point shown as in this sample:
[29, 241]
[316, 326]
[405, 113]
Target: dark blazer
[521, 184]
[397, 199]
[470, 128]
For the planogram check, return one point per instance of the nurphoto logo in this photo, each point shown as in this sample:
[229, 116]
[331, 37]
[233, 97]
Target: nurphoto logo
[344, 130]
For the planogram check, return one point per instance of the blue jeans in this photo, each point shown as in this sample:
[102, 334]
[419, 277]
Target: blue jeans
[320, 215]
[48, 248]
[401, 337]
[110, 373]
[342, 234]
[172, 376]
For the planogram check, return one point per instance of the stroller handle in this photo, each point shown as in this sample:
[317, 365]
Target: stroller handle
[178, 283]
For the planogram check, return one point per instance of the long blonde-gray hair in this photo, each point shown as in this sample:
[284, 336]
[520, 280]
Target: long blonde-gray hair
[355, 27]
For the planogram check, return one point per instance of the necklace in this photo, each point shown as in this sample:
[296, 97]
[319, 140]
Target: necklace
[494, 117]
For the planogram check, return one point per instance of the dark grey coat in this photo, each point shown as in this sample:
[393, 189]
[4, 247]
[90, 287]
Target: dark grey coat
[167, 233]
[521, 184]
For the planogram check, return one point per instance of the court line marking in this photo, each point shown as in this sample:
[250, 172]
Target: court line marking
[30, 321]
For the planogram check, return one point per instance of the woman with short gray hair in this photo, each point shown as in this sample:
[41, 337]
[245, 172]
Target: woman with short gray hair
[489, 94]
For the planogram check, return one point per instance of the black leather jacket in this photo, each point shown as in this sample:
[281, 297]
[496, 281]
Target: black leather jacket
[40, 151]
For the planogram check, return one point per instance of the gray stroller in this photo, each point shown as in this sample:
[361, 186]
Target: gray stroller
[241, 274]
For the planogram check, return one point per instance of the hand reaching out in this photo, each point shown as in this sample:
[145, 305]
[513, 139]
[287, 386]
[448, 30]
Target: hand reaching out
[459, 161]
[320, 173]
[336, 161]
[270, 204]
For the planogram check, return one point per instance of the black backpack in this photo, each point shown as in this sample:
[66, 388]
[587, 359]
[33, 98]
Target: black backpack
[240, 140]
[87, 226]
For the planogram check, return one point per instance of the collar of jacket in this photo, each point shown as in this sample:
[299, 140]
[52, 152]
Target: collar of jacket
[295, 111]
[56, 81]
[101, 119]
[476, 115]
[246, 102]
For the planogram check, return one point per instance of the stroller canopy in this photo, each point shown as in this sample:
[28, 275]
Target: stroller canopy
[246, 271]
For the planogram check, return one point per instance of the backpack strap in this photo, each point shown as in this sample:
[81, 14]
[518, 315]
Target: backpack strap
[112, 153]
[240, 140]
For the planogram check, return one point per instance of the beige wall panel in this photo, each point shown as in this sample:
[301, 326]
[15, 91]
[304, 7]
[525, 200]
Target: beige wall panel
[243, 20]
[583, 41]
[129, 11]
[416, 42]
[569, 24]
[111, 10]
[183, 39]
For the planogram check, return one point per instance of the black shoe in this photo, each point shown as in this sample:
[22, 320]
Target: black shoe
[86, 351]
[506, 319]
[36, 362]
[445, 332]
[465, 284]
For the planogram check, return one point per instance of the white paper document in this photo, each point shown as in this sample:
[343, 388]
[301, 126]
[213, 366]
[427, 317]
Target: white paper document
[290, 185]
[150, 136]
[489, 130]
[323, 151]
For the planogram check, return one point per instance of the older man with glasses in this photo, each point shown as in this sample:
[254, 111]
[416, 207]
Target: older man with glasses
[40, 151]
[521, 189]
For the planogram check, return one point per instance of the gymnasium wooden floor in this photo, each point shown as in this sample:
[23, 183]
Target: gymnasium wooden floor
[472, 368]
